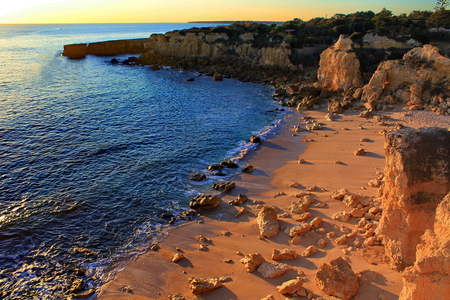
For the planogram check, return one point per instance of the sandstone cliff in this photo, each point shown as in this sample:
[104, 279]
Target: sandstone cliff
[217, 45]
[417, 178]
[429, 277]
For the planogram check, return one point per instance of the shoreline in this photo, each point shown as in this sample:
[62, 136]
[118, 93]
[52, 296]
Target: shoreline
[154, 276]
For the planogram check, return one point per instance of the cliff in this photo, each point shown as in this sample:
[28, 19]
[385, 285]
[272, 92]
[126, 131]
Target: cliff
[417, 177]
[108, 48]
[429, 277]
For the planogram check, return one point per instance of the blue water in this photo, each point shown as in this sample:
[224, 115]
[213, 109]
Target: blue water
[92, 153]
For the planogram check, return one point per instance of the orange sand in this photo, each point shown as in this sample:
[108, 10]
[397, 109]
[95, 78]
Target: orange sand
[153, 275]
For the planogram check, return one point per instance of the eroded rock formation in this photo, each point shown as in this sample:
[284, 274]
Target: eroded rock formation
[417, 177]
[429, 277]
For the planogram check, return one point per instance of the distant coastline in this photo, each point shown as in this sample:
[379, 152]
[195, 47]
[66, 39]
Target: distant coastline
[231, 22]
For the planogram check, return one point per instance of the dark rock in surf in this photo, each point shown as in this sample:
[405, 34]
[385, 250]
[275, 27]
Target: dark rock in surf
[197, 177]
[255, 139]
[204, 202]
[229, 164]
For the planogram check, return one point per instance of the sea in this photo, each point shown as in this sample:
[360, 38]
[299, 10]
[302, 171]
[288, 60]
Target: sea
[93, 155]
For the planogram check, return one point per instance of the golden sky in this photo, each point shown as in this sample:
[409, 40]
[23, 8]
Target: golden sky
[156, 11]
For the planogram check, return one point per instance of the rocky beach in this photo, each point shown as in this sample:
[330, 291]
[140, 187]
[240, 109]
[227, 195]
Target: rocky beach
[348, 201]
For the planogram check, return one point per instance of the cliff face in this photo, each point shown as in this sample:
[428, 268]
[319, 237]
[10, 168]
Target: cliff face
[217, 45]
[417, 177]
[339, 66]
[429, 277]
[108, 48]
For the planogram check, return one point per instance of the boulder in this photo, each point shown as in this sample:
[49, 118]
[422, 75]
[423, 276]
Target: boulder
[293, 287]
[351, 200]
[204, 202]
[297, 229]
[340, 194]
[267, 220]
[224, 186]
[252, 261]
[286, 253]
[417, 178]
[342, 216]
[248, 169]
[197, 177]
[229, 164]
[202, 285]
[337, 279]
[255, 139]
[300, 206]
[269, 270]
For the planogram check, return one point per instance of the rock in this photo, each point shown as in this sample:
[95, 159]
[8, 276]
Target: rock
[297, 229]
[342, 216]
[335, 107]
[374, 183]
[416, 181]
[267, 220]
[177, 297]
[190, 79]
[215, 167]
[197, 177]
[302, 217]
[242, 210]
[315, 223]
[286, 253]
[293, 287]
[357, 213]
[155, 68]
[429, 277]
[248, 169]
[337, 279]
[177, 257]
[201, 285]
[268, 297]
[252, 261]
[309, 251]
[77, 285]
[302, 205]
[351, 200]
[229, 164]
[239, 200]
[322, 243]
[217, 77]
[204, 202]
[255, 139]
[269, 270]
[296, 240]
[340, 240]
[340, 194]
[359, 152]
[224, 186]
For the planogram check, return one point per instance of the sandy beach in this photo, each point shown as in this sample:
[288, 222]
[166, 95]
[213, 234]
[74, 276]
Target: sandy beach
[328, 163]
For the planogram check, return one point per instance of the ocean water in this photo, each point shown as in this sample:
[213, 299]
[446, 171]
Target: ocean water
[91, 154]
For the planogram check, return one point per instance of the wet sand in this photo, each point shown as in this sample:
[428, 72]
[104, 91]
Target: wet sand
[276, 161]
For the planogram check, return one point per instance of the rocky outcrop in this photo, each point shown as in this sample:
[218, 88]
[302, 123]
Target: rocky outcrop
[429, 277]
[337, 279]
[420, 80]
[339, 66]
[108, 48]
[417, 177]
[372, 40]
[204, 202]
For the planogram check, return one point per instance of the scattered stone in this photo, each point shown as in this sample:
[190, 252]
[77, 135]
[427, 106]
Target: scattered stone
[301, 194]
[309, 251]
[202, 238]
[224, 186]
[331, 234]
[351, 200]
[177, 297]
[321, 230]
[269, 297]
[314, 126]
[154, 247]
[357, 213]
[293, 287]
[342, 216]
[242, 210]
[279, 194]
[364, 140]
[359, 152]
[202, 247]
[297, 229]
[321, 205]
[337, 279]
[296, 240]
[217, 77]
[239, 200]
[286, 253]
[294, 184]
[204, 202]
[177, 257]
[255, 139]
[267, 220]
[340, 240]
[215, 167]
[269, 270]
[374, 255]
[301, 161]
[248, 169]
[197, 177]
[229, 164]
[338, 162]
[315, 222]
[201, 285]
[302, 217]
[284, 215]
[311, 188]
[252, 261]
[340, 194]
[322, 243]
[301, 205]
[227, 260]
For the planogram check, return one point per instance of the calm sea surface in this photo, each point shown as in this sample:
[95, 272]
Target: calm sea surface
[91, 154]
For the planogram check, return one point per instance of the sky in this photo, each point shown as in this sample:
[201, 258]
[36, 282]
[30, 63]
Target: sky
[171, 11]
